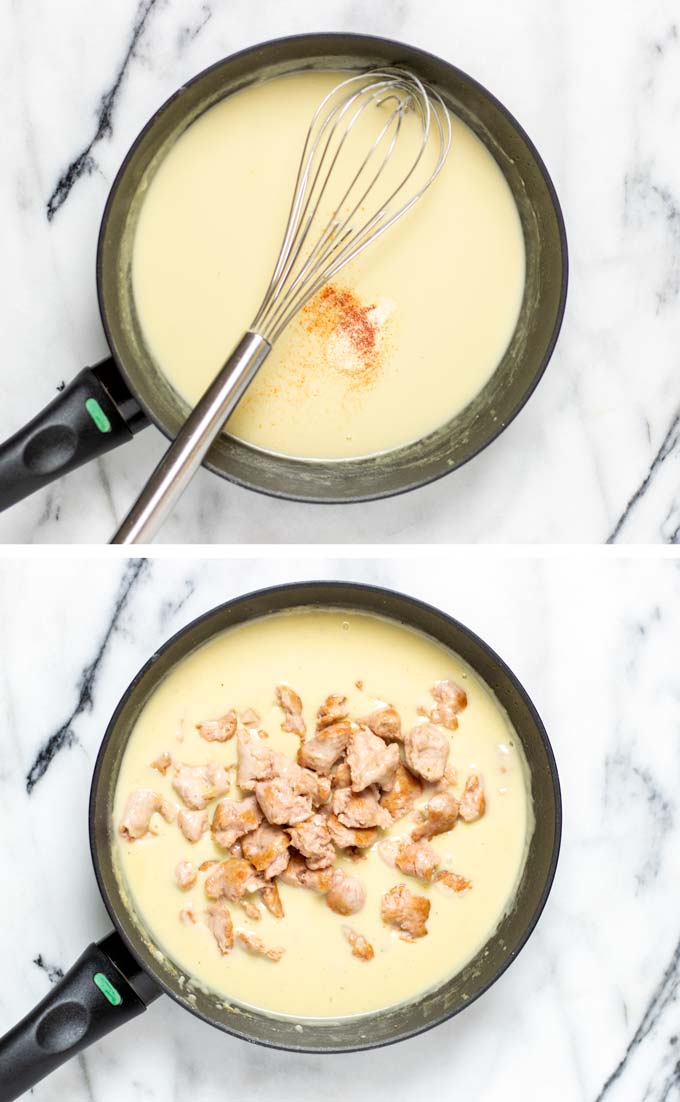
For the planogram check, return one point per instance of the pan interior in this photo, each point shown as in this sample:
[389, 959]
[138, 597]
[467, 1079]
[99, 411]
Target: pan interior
[521, 366]
[317, 651]
[431, 1007]
[359, 371]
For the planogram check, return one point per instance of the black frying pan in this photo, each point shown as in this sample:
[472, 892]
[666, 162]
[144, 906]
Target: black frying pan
[107, 403]
[84, 1005]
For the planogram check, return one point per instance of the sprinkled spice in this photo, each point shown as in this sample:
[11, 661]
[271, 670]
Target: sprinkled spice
[335, 341]
[351, 333]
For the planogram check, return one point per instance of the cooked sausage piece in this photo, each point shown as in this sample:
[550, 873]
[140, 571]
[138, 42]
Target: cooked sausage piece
[437, 817]
[361, 948]
[265, 847]
[185, 875]
[416, 859]
[255, 760]
[313, 839]
[290, 703]
[408, 912]
[450, 778]
[251, 909]
[283, 788]
[162, 763]
[321, 752]
[255, 945]
[281, 803]
[234, 818]
[272, 899]
[218, 920]
[304, 782]
[427, 751]
[298, 875]
[386, 723]
[400, 800]
[139, 807]
[371, 761]
[218, 730]
[199, 784]
[278, 865]
[322, 790]
[333, 709]
[342, 778]
[346, 895]
[231, 879]
[193, 824]
[188, 915]
[360, 810]
[348, 837]
[451, 700]
[452, 881]
[473, 801]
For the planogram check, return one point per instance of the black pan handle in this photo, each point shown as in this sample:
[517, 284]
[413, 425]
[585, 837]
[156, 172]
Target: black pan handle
[92, 415]
[105, 988]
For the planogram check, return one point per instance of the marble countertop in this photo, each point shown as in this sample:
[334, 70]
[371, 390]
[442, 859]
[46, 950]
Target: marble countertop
[596, 453]
[587, 1012]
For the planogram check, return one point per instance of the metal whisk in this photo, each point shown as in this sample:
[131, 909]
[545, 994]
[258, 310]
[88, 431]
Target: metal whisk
[329, 224]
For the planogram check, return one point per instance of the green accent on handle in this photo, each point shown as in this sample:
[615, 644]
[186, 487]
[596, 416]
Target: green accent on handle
[107, 989]
[97, 414]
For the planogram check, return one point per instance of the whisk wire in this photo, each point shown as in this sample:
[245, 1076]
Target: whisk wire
[335, 232]
[331, 122]
[304, 167]
[303, 266]
[301, 221]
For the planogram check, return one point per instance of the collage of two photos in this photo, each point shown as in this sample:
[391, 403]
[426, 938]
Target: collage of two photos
[517, 914]
[347, 565]
[147, 209]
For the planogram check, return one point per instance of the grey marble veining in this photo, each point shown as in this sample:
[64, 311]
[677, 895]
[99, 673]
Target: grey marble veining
[589, 1009]
[595, 454]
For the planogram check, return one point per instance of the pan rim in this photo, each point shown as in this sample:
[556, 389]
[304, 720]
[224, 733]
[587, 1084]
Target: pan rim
[339, 587]
[414, 483]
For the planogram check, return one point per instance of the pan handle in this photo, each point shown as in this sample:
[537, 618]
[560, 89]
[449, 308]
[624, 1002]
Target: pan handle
[92, 415]
[105, 988]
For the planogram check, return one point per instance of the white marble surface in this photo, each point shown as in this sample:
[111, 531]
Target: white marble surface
[587, 1012]
[595, 455]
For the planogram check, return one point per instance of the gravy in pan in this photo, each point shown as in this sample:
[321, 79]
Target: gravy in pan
[397, 344]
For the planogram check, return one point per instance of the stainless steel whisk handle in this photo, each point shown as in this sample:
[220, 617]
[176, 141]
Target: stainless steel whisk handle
[187, 451]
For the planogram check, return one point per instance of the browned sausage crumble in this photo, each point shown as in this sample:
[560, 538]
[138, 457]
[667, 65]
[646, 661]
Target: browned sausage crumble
[353, 778]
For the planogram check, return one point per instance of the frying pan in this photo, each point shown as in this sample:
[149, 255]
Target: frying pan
[106, 404]
[117, 978]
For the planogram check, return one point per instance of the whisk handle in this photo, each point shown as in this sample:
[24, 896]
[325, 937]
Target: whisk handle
[187, 451]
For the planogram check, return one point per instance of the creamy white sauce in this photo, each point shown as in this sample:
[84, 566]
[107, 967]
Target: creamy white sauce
[319, 652]
[445, 284]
